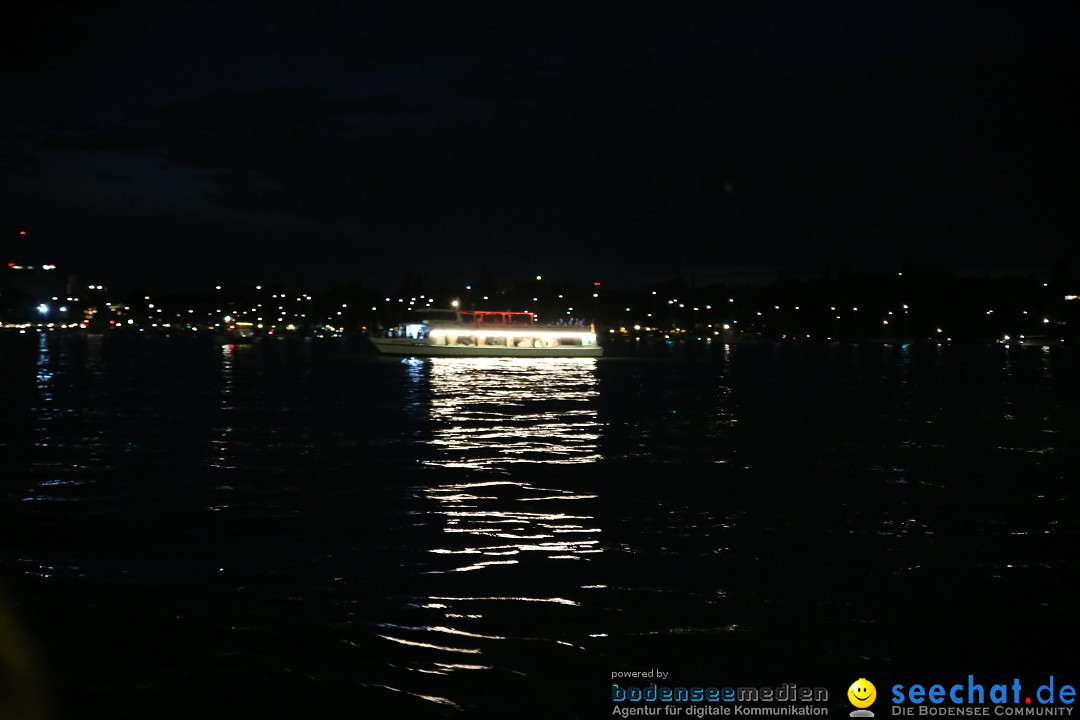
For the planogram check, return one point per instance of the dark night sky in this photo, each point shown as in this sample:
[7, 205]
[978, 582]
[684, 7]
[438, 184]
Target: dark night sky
[186, 144]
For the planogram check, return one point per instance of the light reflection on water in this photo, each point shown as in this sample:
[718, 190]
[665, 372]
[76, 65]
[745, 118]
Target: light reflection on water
[488, 524]
[220, 457]
[496, 534]
[44, 378]
[490, 411]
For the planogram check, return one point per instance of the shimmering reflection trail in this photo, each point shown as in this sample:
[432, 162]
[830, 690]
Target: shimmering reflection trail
[44, 378]
[220, 457]
[490, 411]
[495, 523]
[495, 541]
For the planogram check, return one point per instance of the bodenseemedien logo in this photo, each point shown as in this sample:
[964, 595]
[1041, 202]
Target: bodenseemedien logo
[862, 694]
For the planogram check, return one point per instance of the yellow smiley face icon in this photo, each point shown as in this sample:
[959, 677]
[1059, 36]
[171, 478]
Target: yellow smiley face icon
[862, 693]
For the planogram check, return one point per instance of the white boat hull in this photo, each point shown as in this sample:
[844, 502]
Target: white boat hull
[410, 347]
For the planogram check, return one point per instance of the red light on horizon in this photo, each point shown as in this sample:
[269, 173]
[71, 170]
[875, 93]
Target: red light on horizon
[596, 284]
[22, 232]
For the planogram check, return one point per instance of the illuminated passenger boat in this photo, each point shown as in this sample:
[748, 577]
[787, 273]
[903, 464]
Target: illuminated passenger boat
[238, 333]
[486, 334]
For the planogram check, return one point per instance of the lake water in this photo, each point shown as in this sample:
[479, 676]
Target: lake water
[304, 529]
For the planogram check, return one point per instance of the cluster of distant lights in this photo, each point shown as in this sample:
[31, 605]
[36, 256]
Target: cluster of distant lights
[153, 318]
[423, 301]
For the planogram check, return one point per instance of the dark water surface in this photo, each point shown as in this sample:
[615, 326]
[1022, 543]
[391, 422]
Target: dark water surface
[302, 529]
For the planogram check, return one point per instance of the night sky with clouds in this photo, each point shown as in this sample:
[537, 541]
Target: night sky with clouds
[184, 144]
